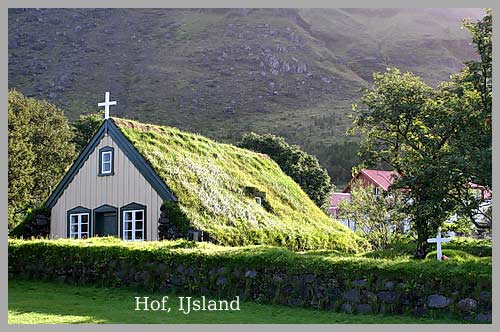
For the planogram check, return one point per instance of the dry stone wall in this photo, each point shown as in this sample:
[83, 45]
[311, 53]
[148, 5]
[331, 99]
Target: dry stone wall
[387, 292]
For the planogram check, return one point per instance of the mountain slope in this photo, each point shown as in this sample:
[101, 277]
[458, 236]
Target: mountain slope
[221, 72]
[215, 185]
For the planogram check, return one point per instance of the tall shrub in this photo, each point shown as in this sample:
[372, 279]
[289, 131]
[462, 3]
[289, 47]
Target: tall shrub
[40, 150]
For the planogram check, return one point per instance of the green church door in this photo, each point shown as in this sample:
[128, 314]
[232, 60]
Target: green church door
[106, 224]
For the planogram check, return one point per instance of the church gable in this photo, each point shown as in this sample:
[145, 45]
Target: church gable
[110, 190]
[121, 145]
[92, 195]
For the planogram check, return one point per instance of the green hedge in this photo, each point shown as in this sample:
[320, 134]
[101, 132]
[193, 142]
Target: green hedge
[406, 247]
[319, 279]
[95, 254]
[453, 254]
[480, 248]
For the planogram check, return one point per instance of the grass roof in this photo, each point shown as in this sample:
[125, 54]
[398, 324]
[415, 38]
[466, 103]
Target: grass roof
[215, 185]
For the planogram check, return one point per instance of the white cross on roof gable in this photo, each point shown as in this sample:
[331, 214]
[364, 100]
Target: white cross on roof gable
[106, 105]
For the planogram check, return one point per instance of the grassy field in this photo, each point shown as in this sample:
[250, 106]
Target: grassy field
[35, 302]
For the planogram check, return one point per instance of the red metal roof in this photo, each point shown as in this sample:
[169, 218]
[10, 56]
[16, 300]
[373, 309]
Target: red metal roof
[486, 193]
[383, 178]
[377, 178]
[336, 199]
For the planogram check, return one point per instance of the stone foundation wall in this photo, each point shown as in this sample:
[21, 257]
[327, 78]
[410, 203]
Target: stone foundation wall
[268, 285]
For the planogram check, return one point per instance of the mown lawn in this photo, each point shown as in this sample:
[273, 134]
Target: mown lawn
[35, 302]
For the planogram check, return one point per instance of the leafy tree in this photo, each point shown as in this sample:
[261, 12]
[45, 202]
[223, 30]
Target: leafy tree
[299, 165]
[479, 73]
[406, 128]
[40, 150]
[21, 156]
[469, 146]
[440, 140]
[378, 218]
[84, 129]
[473, 87]
[459, 225]
[466, 103]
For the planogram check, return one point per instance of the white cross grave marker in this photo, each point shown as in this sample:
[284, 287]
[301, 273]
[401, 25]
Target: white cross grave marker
[438, 240]
[106, 105]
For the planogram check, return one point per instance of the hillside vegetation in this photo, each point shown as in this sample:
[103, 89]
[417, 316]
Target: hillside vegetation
[221, 72]
[216, 185]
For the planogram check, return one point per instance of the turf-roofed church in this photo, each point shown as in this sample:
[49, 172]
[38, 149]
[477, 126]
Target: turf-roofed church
[142, 182]
[110, 190]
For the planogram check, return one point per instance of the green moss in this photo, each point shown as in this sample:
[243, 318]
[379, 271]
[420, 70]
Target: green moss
[176, 216]
[19, 230]
[211, 182]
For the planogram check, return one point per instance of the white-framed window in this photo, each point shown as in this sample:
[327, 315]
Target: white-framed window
[133, 225]
[376, 191]
[79, 225]
[106, 162]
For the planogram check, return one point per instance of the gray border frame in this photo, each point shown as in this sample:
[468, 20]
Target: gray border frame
[228, 3]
